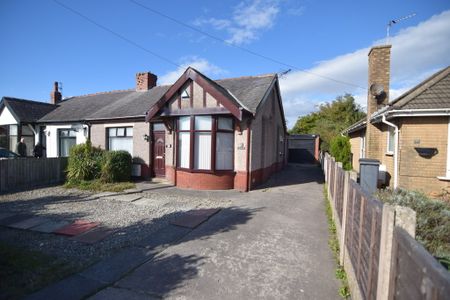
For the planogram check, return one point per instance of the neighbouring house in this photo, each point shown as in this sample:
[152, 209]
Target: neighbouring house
[198, 133]
[112, 120]
[19, 119]
[410, 135]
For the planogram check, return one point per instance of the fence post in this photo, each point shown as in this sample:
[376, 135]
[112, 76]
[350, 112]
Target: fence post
[403, 217]
[328, 176]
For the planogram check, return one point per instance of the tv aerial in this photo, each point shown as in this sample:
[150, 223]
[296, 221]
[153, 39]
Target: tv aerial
[392, 22]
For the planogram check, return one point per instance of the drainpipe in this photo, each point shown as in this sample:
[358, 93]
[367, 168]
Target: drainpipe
[395, 149]
[247, 162]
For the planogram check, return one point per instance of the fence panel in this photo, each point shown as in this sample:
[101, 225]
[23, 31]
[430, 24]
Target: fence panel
[332, 176]
[363, 235]
[415, 272]
[26, 173]
[339, 193]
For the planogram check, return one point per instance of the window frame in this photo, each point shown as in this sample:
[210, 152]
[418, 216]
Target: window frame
[125, 136]
[213, 131]
[390, 132]
[65, 137]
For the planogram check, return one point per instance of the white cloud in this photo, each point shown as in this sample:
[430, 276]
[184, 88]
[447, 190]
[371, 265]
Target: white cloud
[195, 62]
[417, 52]
[249, 18]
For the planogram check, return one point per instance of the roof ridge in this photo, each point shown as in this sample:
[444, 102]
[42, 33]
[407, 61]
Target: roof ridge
[112, 91]
[248, 76]
[100, 93]
[421, 86]
[7, 98]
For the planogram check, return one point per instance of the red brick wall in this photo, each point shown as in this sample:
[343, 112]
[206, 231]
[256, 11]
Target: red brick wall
[221, 180]
[206, 181]
[240, 181]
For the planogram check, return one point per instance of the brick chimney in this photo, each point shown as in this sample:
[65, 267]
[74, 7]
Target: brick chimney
[55, 95]
[379, 74]
[377, 97]
[145, 81]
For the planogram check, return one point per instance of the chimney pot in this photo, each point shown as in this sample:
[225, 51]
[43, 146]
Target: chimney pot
[55, 95]
[145, 81]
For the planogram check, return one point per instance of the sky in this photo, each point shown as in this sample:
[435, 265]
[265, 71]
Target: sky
[97, 45]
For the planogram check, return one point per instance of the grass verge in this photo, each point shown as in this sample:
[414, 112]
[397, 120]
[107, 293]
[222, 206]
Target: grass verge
[344, 290]
[24, 271]
[98, 186]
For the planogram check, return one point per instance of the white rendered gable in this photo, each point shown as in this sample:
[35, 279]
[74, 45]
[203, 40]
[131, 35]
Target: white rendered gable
[6, 117]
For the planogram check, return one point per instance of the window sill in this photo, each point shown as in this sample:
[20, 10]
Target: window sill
[389, 154]
[444, 178]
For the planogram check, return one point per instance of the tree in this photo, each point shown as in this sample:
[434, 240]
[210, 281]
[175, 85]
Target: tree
[330, 119]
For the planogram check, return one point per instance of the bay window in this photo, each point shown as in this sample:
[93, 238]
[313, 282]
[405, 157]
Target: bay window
[205, 143]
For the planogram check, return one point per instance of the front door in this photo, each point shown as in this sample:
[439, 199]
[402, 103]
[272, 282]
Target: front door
[159, 145]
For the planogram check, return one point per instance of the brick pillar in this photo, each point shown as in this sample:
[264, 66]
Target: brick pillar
[379, 74]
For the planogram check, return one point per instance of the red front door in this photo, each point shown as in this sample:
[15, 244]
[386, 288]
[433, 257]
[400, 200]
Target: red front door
[159, 162]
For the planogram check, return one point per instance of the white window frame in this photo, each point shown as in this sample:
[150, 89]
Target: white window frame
[447, 170]
[125, 136]
[362, 150]
[390, 131]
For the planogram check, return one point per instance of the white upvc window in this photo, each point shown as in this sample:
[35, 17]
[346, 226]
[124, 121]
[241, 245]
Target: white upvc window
[120, 138]
[391, 140]
[362, 152]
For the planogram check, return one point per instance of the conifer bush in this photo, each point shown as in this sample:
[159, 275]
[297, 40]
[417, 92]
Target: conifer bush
[85, 162]
[116, 167]
[340, 149]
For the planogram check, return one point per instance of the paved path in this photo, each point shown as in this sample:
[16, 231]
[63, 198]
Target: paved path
[271, 245]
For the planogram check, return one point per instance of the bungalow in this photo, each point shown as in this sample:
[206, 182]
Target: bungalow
[197, 133]
[410, 135]
[18, 119]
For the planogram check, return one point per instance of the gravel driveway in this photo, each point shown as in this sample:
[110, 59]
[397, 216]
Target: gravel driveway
[133, 221]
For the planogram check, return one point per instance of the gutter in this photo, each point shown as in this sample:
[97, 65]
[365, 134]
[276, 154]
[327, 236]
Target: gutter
[395, 149]
[431, 112]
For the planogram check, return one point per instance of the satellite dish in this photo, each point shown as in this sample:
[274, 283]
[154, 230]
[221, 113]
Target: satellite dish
[376, 89]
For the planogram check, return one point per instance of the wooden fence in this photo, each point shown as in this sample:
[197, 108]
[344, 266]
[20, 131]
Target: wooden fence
[25, 173]
[378, 250]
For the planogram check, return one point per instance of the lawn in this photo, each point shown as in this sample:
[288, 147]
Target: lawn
[24, 271]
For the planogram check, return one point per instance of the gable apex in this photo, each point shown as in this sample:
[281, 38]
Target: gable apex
[222, 95]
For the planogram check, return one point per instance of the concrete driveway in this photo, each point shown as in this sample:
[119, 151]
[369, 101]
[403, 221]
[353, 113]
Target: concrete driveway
[272, 244]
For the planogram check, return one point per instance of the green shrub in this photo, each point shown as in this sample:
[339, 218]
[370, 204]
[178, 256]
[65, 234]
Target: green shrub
[84, 162]
[340, 149]
[116, 167]
[432, 217]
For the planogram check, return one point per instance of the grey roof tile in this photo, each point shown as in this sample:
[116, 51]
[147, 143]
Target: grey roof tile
[27, 111]
[248, 91]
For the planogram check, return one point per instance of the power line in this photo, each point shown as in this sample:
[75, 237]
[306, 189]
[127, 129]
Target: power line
[240, 47]
[117, 34]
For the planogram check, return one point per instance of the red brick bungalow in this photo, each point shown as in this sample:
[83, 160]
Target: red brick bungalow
[222, 134]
